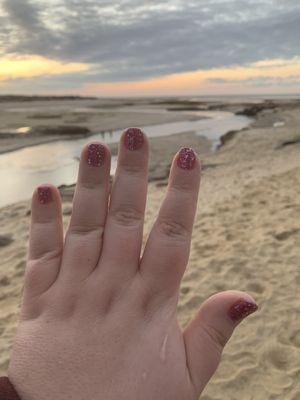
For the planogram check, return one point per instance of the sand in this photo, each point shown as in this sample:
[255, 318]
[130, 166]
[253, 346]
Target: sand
[246, 236]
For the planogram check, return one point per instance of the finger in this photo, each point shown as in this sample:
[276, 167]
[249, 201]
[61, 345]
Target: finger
[84, 237]
[167, 249]
[124, 225]
[208, 333]
[45, 241]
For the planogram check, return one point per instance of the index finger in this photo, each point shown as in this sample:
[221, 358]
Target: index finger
[167, 249]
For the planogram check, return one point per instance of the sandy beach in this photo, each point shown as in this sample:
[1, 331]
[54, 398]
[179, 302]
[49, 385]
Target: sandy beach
[246, 235]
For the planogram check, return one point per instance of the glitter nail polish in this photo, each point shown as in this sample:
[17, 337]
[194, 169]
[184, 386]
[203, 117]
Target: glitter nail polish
[241, 309]
[44, 194]
[95, 155]
[186, 158]
[134, 139]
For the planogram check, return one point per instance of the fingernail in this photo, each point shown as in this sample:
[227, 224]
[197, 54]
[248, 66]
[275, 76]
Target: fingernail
[241, 309]
[95, 155]
[44, 194]
[134, 139]
[186, 158]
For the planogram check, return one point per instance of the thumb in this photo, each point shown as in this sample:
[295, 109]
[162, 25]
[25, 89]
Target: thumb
[207, 334]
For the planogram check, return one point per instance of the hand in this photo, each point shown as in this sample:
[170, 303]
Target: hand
[98, 321]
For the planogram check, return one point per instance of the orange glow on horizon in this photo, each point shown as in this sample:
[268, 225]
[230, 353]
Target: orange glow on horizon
[232, 79]
[14, 67]
[192, 82]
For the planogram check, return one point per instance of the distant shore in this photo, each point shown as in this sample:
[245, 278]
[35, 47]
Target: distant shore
[21, 98]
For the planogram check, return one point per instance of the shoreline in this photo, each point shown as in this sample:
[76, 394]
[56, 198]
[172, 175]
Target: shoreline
[37, 140]
[49, 130]
[174, 111]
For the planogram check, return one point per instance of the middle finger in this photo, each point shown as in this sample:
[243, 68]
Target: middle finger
[124, 225]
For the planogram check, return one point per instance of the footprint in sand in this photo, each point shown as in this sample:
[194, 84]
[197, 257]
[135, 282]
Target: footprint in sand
[280, 357]
[215, 266]
[297, 280]
[286, 234]
[20, 254]
[243, 378]
[185, 289]
[4, 281]
[255, 287]
[219, 287]
[205, 397]
[194, 302]
[4, 364]
[229, 237]
[20, 265]
[6, 240]
[18, 274]
[295, 338]
[206, 248]
[242, 357]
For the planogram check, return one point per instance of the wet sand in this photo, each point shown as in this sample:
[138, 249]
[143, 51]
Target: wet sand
[246, 236]
[92, 116]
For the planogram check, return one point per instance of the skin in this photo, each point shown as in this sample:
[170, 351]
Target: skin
[98, 319]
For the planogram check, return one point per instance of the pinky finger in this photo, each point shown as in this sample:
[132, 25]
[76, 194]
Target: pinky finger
[45, 241]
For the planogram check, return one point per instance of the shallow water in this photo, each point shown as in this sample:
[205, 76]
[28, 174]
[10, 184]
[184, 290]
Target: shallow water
[22, 170]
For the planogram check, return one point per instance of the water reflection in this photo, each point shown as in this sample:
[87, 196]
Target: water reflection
[22, 170]
[23, 129]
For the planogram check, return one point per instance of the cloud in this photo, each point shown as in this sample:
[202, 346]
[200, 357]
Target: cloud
[259, 81]
[23, 14]
[131, 39]
[28, 67]
[23, 29]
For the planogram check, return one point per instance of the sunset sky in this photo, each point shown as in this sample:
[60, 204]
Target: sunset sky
[141, 48]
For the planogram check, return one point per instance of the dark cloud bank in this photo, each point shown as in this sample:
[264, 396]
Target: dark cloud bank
[134, 39]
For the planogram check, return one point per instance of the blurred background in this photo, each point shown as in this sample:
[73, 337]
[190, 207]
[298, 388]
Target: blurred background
[161, 48]
[221, 76]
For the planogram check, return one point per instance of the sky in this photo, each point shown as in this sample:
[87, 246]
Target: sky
[149, 48]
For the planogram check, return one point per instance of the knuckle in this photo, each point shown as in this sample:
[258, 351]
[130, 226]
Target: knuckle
[46, 257]
[132, 168]
[216, 336]
[184, 187]
[85, 230]
[127, 216]
[88, 185]
[35, 273]
[173, 229]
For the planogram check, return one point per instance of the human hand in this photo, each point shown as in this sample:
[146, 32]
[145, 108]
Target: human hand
[99, 322]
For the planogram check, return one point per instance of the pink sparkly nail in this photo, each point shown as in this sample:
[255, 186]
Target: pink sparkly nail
[241, 309]
[134, 138]
[44, 194]
[96, 155]
[186, 158]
